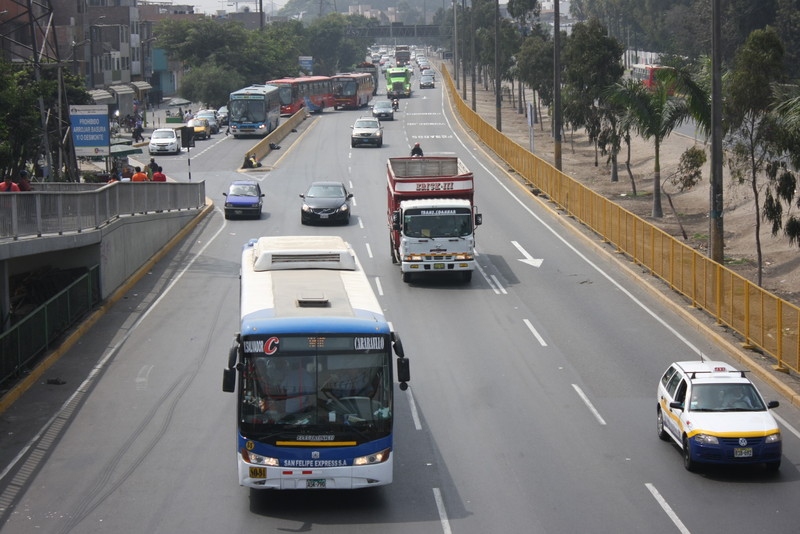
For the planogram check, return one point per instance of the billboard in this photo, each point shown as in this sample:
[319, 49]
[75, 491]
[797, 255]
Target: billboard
[90, 132]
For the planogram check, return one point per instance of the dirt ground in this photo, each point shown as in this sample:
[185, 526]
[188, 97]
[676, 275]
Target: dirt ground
[781, 272]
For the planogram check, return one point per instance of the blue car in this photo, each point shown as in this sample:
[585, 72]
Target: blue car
[243, 199]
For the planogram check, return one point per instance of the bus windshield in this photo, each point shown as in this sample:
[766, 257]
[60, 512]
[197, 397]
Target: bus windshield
[285, 93]
[248, 110]
[335, 389]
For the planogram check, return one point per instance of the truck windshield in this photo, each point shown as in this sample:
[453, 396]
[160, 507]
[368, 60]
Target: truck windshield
[453, 225]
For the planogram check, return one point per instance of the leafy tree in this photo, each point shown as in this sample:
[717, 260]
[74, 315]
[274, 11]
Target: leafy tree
[653, 114]
[212, 84]
[592, 63]
[535, 62]
[331, 48]
[752, 131]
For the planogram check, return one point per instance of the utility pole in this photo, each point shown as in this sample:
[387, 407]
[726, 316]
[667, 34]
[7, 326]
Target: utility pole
[556, 85]
[497, 96]
[716, 243]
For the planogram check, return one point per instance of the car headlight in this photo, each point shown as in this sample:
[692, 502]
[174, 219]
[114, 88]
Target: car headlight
[228, 205]
[463, 257]
[705, 439]
[344, 207]
[257, 459]
[306, 207]
[374, 458]
[773, 438]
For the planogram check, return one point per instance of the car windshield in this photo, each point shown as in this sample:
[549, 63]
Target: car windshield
[159, 134]
[736, 397]
[383, 105]
[201, 123]
[427, 78]
[244, 190]
[366, 124]
[326, 191]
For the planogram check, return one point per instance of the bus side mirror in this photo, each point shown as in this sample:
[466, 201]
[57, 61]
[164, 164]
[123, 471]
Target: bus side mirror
[478, 219]
[403, 373]
[229, 380]
[397, 345]
[396, 221]
[229, 374]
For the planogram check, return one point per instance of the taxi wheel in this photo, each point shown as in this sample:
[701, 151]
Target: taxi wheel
[662, 434]
[688, 463]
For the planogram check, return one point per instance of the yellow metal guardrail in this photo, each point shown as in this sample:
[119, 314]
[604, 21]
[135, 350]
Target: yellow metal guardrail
[764, 321]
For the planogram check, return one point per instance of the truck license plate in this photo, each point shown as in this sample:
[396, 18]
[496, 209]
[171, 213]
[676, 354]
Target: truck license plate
[315, 483]
[258, 472]
[438, 265]
[746, 452]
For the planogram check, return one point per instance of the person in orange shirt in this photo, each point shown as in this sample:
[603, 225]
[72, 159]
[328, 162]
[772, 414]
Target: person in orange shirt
[139, 176]
[159, 176]
[9, 185]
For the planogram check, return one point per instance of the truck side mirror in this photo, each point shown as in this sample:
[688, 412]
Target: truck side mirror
[229, 380]
[396, 221]
[478, 219]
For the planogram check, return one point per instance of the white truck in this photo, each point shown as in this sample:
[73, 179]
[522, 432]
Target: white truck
[431, 215]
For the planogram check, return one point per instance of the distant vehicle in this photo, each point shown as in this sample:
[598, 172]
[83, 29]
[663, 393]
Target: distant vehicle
[424, 66]
[202, 128]
[244, 198]
[383, 110]
[353, 90]
[164, 141]
[254, 110]
[325, 202]
[222, 113]
[312, 92]
[402, 55]
[367, 131]
[374, 70]
[646, 74]
[426, 82]
[211, 116]
[398, 82]
[716, 415]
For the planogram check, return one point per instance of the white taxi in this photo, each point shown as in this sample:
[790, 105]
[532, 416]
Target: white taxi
[717, 416]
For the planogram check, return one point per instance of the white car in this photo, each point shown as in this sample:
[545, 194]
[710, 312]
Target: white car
[367, 131]
[717, 416]
[164, 141]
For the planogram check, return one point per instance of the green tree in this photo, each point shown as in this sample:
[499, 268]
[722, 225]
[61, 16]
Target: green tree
[653, 114]
[535, 62]
[753, 132]
[592, 63]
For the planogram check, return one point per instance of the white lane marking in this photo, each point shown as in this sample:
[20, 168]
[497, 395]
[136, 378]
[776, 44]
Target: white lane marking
[530, 260]
[369, 250]
[589, 404]
[360, 222]
[499, 285]
[437, 496]
[785, 424]
[142, 379]
[488, 279]
[566, 243]
[667, 508]
[414, 413]
[379, 286]
[535, 333]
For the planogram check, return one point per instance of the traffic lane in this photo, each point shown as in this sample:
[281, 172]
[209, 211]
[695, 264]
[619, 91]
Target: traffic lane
[506, 427]
[137, 386]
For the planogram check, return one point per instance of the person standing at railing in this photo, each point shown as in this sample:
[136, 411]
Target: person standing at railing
[139, 176]
[159, 176]
[9, 186]
[24, 182]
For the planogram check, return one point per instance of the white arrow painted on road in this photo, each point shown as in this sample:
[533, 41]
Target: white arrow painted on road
[530, 260]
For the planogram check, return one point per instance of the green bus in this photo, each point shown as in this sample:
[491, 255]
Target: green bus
[398, 82]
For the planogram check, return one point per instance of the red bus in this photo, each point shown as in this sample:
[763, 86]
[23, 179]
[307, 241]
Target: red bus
[313, 92]
[645, 74]
[353, 90]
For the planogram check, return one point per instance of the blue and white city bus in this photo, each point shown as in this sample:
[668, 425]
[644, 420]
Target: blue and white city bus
[254, 110]
[312, 368]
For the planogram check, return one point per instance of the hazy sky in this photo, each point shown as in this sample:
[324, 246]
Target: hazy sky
[212, 6]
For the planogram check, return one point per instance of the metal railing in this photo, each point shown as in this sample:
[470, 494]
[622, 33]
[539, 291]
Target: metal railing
[763, 320]
[72, 207]
[25, 342]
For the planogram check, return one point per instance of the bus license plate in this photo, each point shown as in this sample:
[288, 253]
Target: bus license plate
[438, 265]
[746, 452]
[258, 472]
[315, 483]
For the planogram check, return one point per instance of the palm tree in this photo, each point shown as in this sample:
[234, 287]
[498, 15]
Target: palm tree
[653, 113]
